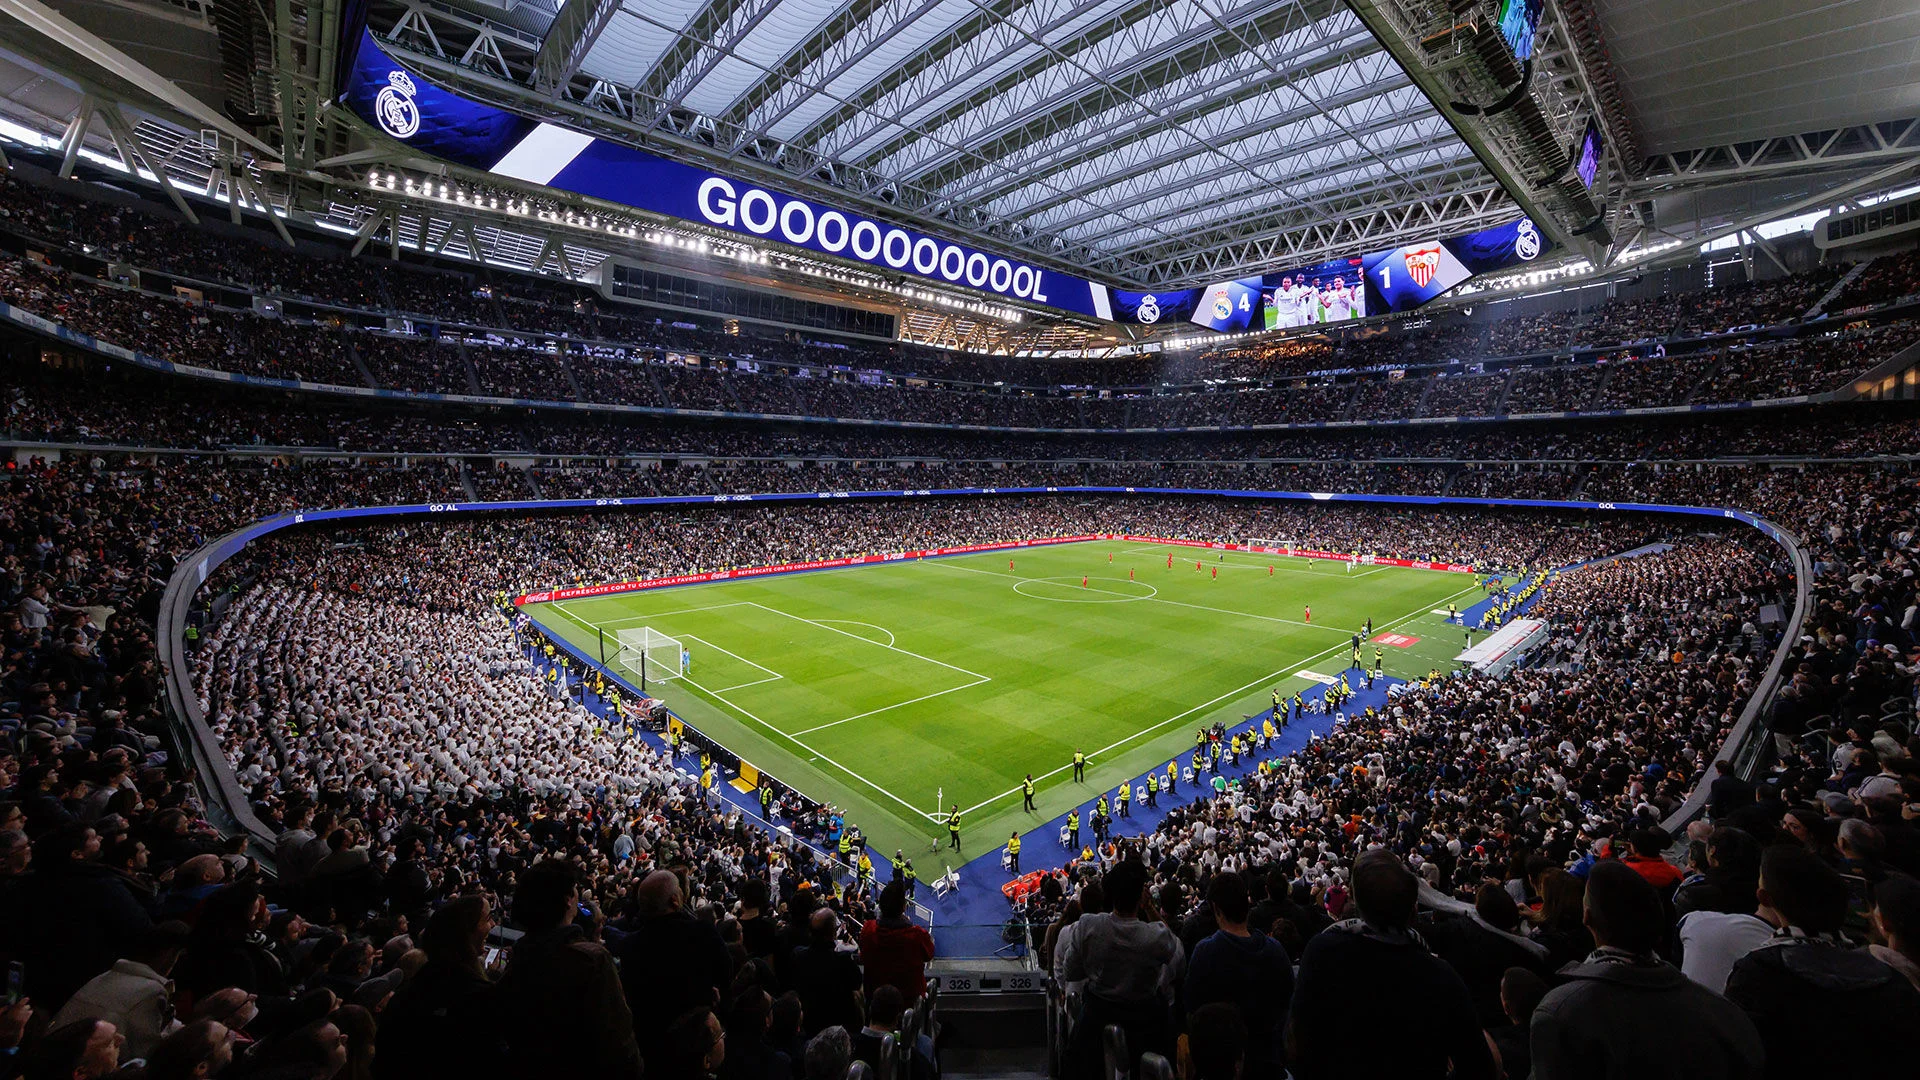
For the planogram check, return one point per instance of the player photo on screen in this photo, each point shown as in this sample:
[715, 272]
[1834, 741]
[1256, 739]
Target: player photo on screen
[1328, 293]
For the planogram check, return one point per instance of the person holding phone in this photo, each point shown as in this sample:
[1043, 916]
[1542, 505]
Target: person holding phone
[442, 1019]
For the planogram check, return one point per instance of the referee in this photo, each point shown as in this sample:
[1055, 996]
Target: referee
[953, 827]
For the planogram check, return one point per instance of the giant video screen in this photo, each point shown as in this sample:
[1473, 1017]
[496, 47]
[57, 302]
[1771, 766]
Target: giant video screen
[1339, 290]
[1330, 292]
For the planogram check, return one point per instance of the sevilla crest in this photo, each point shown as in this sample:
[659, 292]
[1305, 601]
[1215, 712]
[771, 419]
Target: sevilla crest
[1423, 264]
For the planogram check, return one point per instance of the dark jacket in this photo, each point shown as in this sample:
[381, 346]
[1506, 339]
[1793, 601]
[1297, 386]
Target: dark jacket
[1357, 986]
[668, 965]
[827, 981]
[564, 1011]
[211, 965]
[1826, 1010]
[67, 924]
[1254, 974]
[1623, 1021]
[441, 1021]
[1481, 955]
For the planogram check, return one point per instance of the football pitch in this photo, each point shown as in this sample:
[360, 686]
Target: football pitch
[885, 688]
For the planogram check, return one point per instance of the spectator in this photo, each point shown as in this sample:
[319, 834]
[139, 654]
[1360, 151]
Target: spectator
[1562, 919]
[670, 962]
[134, 995]
[827, 979]
[81, 1050]
[1217, 1044]
[1712, 941]
[1480, 943]
[1371, 974]
[1245, 969]
[1730, 878]
[227, 947]
[197, 1051]
[693, 1047]
[884, 1010]
[444, 1017]
[561, 1001]
[71, 918]
[829, 1055]
[1806, 984]
[1625, 1012]
[1896, 918]
[893, 951]
[1521, 990]
[1121, 955]
[1647, 860]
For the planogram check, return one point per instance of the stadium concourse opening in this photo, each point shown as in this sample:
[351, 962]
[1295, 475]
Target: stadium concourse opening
[902, 689]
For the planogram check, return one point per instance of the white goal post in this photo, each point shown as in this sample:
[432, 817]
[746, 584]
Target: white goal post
[659, 653]
[1270, 547]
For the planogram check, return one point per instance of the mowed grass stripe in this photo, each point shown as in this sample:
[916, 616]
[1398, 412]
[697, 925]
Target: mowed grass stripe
[1054, 675]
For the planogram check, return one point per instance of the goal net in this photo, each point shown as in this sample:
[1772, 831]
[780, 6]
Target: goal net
[1271, 547]
[659, 653]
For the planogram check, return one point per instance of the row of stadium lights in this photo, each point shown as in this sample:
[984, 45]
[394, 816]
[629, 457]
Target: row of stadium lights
[694, 243]
[700, 245]
[459, 195]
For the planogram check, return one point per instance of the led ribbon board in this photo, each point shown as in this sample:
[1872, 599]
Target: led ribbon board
[1340, 290]
[434, 121]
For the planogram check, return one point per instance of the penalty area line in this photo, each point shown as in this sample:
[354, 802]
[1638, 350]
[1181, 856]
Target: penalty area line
[896, 705]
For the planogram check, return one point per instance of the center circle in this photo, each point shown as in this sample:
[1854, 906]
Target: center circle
[1067, 590]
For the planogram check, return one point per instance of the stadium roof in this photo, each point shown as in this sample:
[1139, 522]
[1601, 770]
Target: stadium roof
[1706, 72]
[1126, 137]
[1155, 143]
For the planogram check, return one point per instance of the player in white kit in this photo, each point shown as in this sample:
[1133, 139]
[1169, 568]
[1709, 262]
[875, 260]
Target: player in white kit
[1337, 303]
[1291, 303]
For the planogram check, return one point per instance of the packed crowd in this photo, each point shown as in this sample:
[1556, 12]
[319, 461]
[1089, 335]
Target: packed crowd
[1441, 860]
[438, 803]
[1485, 859]
[497, 338]
[63, 403]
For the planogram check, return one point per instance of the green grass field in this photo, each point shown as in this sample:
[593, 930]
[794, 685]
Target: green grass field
[879, 687]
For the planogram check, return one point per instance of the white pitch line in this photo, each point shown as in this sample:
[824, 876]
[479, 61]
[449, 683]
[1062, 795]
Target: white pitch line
[870, 641]
[1293, 667]
[817, 754]
[744, 685]
[669, 614]
[896, 705]
[717, 696]
[868, 625]
[736, 656]
[1164, 600]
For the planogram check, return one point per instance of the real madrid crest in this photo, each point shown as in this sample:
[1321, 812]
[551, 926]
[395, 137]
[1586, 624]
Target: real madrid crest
[1149, 310]
[394, 107]
[1526, 240]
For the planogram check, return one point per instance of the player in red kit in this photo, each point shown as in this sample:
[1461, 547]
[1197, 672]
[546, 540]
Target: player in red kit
[1009, 564]
[1083, 581]
[1269, 569]
[1216, 573]
[1309, 612]
[1169, 560]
